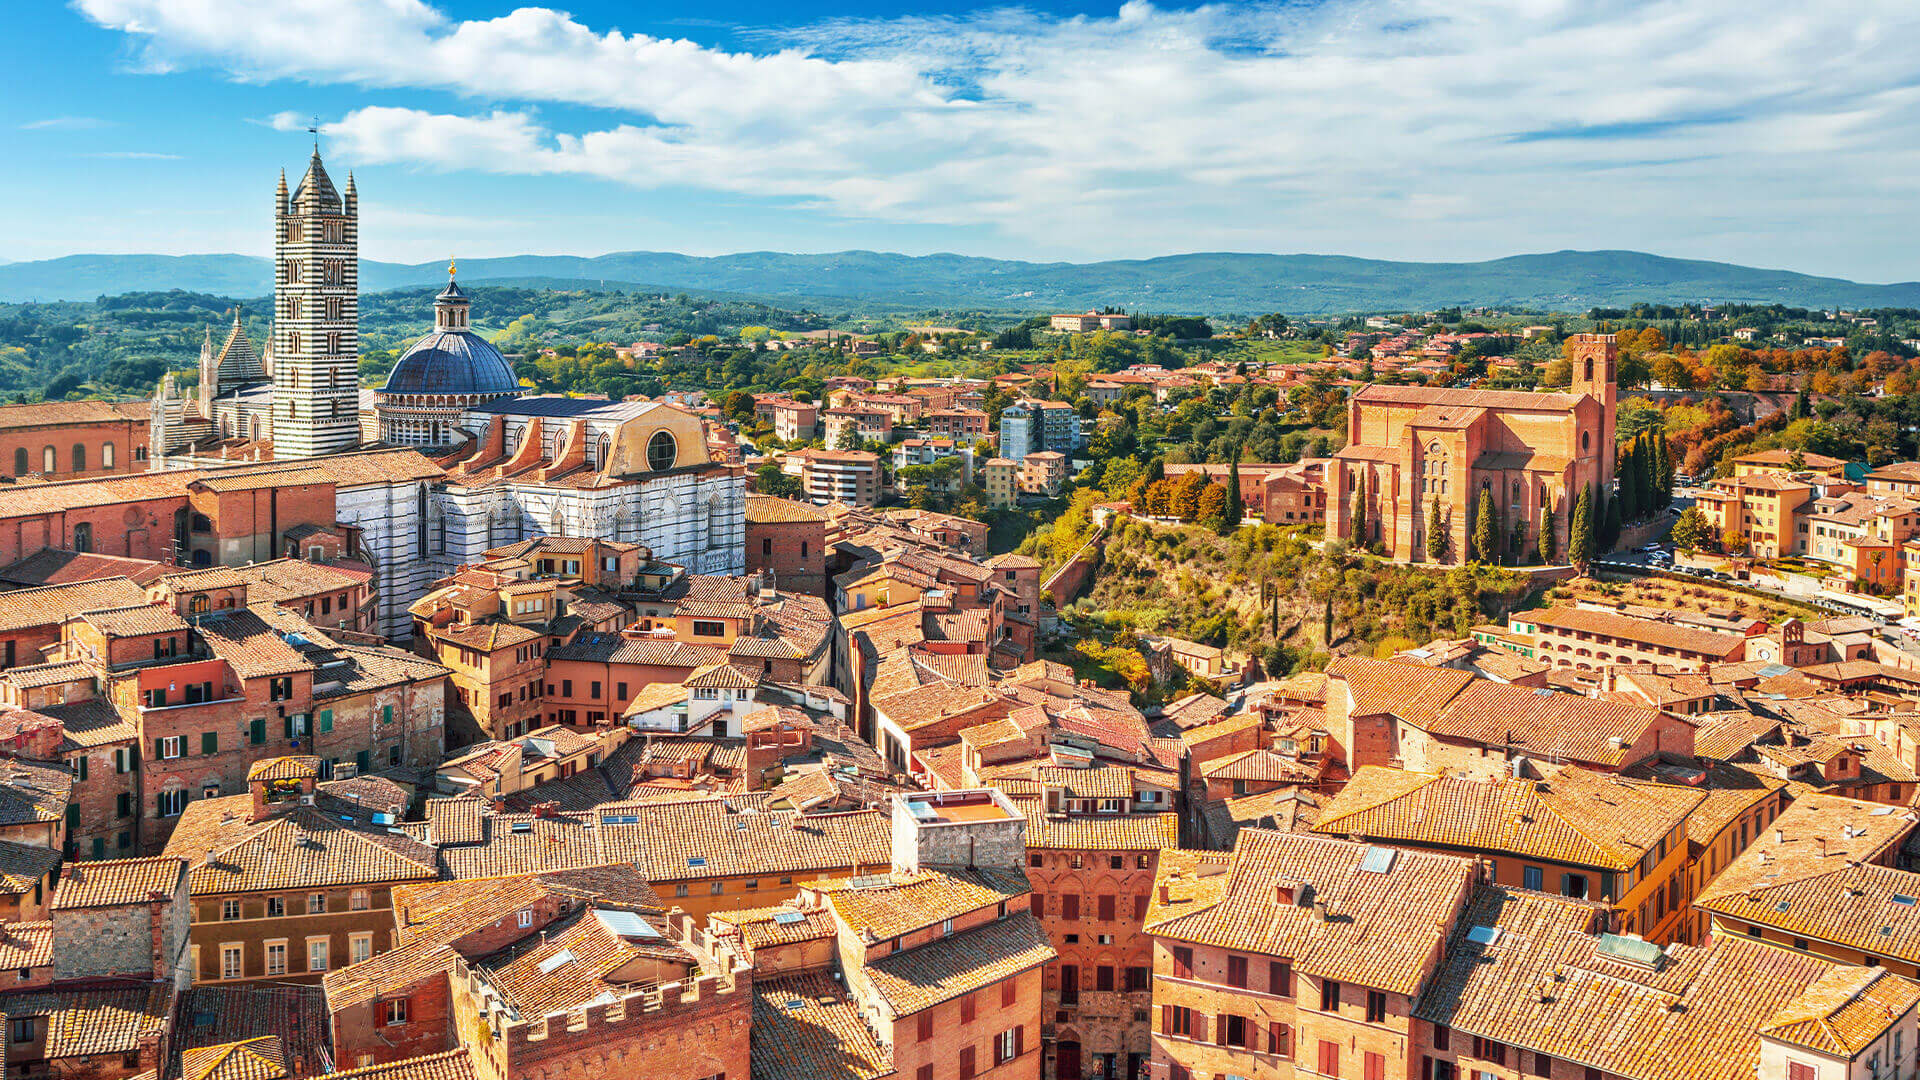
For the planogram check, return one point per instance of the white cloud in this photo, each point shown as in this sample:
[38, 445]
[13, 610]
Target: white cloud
[1422, 128]
[64, 123]
[135, 155]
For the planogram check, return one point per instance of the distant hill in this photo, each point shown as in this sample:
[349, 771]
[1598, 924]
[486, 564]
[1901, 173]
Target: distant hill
[1204, 283]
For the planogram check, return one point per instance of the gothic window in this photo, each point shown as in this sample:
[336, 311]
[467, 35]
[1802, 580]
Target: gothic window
[293, 272]
[336, 409]
[139, 453]
[662, 451]
[256, 427]
[294, 229]
[106, 455]
[335, 309]
[293, 346]
[1589, 369]
[49, 460]
[333, 345]
[294, 304]
[1586, 441]
[83, 537]
[20, 462]
[199, 605]
[716, 519]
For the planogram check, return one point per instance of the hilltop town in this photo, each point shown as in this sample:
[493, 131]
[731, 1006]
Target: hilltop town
[1413, 697]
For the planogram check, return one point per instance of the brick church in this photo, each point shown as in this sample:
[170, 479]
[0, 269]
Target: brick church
[1409, 445]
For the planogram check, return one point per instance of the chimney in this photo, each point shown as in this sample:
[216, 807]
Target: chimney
[1166, 893]
[1320, 910]
[1284, 893]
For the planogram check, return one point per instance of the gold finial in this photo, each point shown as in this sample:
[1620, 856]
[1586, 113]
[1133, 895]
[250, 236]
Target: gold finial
[451, 268]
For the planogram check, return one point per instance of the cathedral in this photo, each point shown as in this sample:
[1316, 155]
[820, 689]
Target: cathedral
[506, 464]
[1411, 449]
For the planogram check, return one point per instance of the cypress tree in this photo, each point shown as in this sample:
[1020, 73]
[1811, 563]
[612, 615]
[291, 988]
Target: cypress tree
[1436, 532]
[1627, 468]
[1549, 538]
[1236, 507]
[1650, 498]
[1580, 530]
[1486, 530]
[1610, 536]
[1665, 468]
[1359, 529]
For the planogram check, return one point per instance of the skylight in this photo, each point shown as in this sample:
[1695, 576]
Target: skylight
[1484, 935]
[1378, 860]
[556, 961]
[788, 918]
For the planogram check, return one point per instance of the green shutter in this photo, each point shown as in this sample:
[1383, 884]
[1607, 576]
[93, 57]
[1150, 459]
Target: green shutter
[257, 730]
[159, 749]
[362, 759]
[289, 725]
[73, 815]
[99, 847]
[83, 766]
[209, 742]
[326, 720]
[386, 714]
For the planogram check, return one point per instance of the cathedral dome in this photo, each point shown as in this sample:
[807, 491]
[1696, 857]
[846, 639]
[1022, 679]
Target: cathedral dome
[452, 362]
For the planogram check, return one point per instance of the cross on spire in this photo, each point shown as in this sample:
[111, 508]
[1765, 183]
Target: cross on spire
[314, 130]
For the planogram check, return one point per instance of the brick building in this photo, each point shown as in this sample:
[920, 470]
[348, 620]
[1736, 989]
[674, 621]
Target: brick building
[1412, 447]
[284, 890]
[1575, 833]
[67, 440]
[789, 539]
[1296, 955]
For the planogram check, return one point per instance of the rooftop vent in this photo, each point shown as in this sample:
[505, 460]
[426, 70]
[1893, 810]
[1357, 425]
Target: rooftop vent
[1484, 935]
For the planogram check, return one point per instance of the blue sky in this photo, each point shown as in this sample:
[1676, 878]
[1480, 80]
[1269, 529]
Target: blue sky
[1768, 132]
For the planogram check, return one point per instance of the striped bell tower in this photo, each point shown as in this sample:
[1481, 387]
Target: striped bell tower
[316, 316]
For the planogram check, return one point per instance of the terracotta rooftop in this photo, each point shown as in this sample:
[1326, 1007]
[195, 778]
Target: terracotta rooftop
[118, 881]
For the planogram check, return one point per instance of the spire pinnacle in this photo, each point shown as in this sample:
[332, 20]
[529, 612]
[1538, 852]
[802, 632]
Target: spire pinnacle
[451, 269]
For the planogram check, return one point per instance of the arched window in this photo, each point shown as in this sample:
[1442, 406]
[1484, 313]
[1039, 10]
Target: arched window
[199, 604]
[202, 523]
[139, 453]
[83, 537]
[716, 517]
[1589, 369]
[106, 455]
[49, 461]
[20, 461]
[1586, 441]
[662, 451]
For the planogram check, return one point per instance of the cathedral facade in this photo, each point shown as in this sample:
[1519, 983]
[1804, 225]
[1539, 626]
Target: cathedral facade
[1410, 448]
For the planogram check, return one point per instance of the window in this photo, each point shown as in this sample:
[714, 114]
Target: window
[1237, 971]
[317, 903]
[968, 1007]
[170, 746]
[20, 461]
[704, 628]
[1329, 1063]
[317, 954]
[1800, 1070]
[924, 1072]
[1009, 993]
[1574, 885]
[276, 907]
[1070, 907]
[209, 742]
[1280, 978]
[359, 900]
[1105, 909]
[923, 1026]
[1182, 962]
[1279, 1039]
[231, 961]
[83, 537]
[1230, 1030]
[1009, 1044]
[1489, 1050]
[1376, 1007]
[662, 451]
[23, 1029]
[1138, 978]
[229, 909]
[276, 958]
[360, 948]
[79, 458]
[1176, 1020]
[1103, 977]
[1442, 1036]
[967, 1069]
[106, 455]
[1329, 996]
[1542, 1065]
[1375, 1066]
[48, 461]
[171, 803]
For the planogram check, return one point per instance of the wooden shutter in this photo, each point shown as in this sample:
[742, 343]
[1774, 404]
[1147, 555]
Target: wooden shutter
[1376, 1067]
[1220, 1028]
[1019, 1039]
[1106, 908]
[1329, 1057]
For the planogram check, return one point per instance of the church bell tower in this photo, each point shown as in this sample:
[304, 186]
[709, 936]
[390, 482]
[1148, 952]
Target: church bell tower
[316, 316]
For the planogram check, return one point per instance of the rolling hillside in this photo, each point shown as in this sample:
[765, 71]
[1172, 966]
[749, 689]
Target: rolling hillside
[1205, 283]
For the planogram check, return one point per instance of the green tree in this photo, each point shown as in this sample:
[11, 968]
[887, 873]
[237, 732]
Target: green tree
[1236, 506]
[1486, 530]
[1549, 539]
[1691, 530]
[1580, 532]
[1359, 530]
[1436, 531]
[1610, 532]
[769, 480]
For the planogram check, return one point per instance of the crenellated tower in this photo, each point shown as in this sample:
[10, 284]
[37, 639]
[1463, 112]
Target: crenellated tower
[316, 316]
